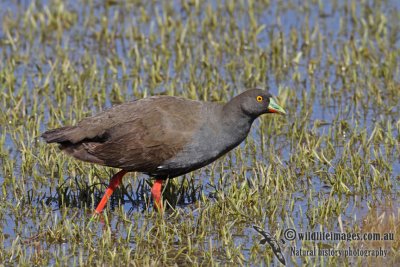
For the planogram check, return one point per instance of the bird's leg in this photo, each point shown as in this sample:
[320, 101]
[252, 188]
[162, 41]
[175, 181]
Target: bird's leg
[156, 194]
[114, 183]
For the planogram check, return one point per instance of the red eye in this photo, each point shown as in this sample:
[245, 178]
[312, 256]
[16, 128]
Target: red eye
[259, 98]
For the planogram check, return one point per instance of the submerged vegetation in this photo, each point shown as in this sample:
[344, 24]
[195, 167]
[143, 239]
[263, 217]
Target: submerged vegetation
[331, 165]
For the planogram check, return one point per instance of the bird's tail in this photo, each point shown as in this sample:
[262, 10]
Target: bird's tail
[59, 135]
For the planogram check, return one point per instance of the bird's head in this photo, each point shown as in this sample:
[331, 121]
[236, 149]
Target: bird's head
[255, 102]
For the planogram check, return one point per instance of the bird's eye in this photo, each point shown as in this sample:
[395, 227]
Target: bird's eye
[259, 98]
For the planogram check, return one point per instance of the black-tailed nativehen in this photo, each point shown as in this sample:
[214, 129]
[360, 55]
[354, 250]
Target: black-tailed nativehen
[162, 136]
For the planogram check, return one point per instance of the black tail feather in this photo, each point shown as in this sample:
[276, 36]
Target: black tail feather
[58, 135]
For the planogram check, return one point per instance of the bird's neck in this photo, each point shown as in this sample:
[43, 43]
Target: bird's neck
[235, 119]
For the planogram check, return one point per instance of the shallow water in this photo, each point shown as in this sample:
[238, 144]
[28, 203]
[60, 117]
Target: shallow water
[332, 96]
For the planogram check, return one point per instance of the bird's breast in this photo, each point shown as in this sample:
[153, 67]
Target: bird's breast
[207, 145]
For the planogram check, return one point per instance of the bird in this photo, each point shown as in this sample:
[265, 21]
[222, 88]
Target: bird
[162, 136]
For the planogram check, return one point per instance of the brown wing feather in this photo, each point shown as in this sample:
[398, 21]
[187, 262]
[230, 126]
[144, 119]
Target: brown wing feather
[136, 136]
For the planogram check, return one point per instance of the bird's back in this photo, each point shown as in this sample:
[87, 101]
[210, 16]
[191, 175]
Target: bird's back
[137, 136]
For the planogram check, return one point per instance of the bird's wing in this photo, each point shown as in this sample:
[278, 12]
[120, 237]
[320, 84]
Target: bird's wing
[139, 136]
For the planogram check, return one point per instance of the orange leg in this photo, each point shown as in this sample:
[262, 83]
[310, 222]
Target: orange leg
[156, 194]
[114, 183]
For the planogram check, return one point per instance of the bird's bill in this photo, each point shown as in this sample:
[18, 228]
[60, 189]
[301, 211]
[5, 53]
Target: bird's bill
[273, 107]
